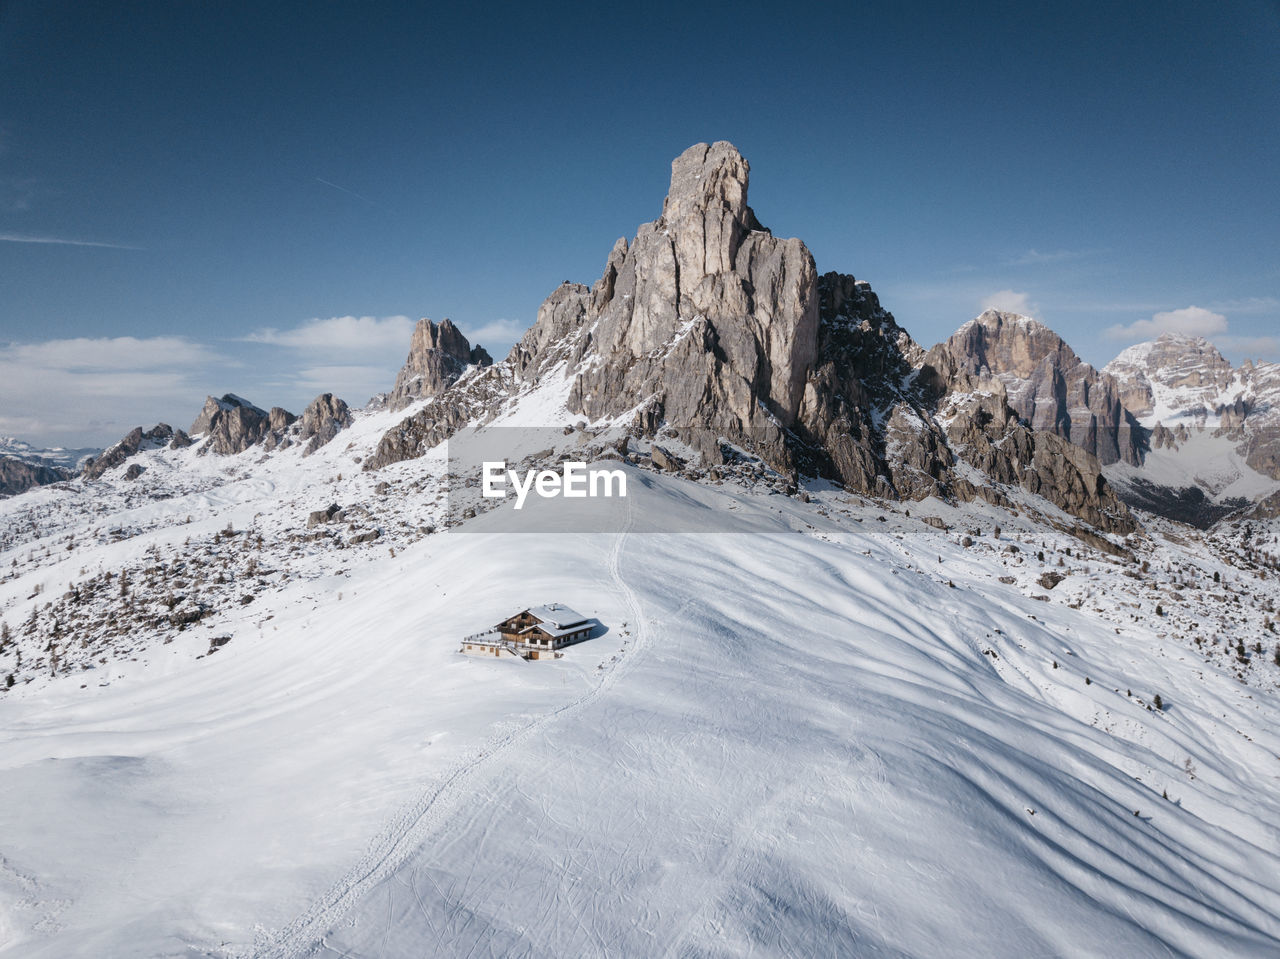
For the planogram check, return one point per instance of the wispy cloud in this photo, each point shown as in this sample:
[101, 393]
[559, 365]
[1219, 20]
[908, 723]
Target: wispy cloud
[1247, 306]
[358, 196]
[63, 241]
[1038, 258]
[1010, 301]
[342, 335]
[1189, 321]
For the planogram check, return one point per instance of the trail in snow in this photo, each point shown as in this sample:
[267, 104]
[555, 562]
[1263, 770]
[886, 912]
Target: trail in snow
[411, 828]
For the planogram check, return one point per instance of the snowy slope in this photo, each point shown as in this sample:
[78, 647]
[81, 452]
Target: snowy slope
[800, 739]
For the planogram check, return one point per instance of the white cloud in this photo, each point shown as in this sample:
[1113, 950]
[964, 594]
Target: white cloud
[1189, 321]
[120, 353]
[343, 335]
[87, 391]
[497, 336]
[1010, 301]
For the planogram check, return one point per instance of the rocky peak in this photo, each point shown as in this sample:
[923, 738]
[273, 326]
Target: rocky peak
[232, 424]
[1047, 384]
[134, 442]
[706, 208]
[321, 421]
[704, 314]
[438, 355]
[214, 406]
[1172, 374]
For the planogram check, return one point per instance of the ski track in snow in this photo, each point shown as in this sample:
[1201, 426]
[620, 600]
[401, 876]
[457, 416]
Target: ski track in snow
[410, 829]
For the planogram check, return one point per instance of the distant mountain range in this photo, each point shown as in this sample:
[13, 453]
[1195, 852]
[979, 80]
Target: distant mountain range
[23, 466]
[707, 323]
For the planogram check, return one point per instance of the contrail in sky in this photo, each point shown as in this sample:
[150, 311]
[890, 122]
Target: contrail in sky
[358, 196]
[61, 241]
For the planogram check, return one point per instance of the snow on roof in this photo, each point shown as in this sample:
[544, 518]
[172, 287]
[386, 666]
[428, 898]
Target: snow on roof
[555, 631]
[557, 615]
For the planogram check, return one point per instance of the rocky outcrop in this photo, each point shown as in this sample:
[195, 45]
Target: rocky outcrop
[1045, 382]
[134, 442]
[322, 420]
[232, 424]
[438, 355]
[705, 315]
[18, 476]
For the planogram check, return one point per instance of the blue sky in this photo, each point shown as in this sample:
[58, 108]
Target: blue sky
[201, 197]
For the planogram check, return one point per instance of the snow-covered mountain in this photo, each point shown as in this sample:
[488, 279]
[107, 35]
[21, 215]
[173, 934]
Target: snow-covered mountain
[1214, 430]
[23, 466]
[1178, 380]
[71, 459]
[881, 669]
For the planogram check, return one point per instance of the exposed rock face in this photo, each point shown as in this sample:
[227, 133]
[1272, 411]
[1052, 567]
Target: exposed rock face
[322, 420]
[213, 407]
[233, 424]
[707, 324]
[705, 312]
[438, 355]
[134, 442]
[18, 476]
[1046, 383]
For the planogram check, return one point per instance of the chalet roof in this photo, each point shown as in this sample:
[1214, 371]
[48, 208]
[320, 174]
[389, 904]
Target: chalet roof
[554, 631]
[557, 616]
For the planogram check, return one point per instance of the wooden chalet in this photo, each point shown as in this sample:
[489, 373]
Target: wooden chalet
[536, 633]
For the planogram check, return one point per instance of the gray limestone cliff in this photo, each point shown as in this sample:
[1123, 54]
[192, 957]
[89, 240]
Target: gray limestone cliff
[438, 355]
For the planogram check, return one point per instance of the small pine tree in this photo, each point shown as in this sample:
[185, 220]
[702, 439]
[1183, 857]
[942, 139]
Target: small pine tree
[1217, 577]
[1158, 702]
[1159, 610]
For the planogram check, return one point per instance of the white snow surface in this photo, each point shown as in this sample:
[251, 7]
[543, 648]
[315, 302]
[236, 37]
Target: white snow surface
[830, 735]
[1207, 459]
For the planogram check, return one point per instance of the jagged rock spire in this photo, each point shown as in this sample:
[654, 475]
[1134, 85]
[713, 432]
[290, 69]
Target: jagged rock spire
[438, 355]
